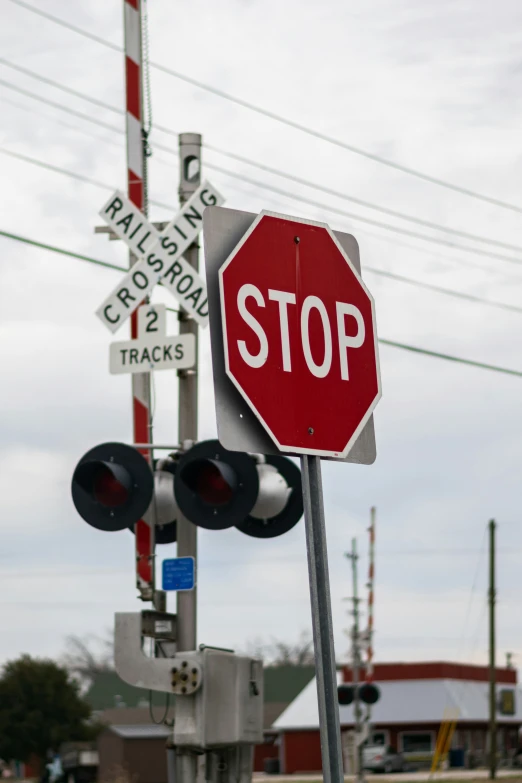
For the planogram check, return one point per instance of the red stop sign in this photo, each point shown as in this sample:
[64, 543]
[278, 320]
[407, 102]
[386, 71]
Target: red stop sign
[299, 335]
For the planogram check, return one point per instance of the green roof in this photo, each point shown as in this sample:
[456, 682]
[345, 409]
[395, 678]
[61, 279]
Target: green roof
[282, 685]
[285, 683]
[108, 690]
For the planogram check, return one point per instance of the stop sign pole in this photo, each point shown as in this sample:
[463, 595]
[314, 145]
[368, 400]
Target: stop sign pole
[326, 672]
[295, 364]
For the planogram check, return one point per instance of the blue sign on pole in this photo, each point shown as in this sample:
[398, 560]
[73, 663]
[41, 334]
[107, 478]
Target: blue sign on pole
[179, 573]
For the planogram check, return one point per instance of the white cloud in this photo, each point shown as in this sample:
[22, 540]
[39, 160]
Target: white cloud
[33, 483]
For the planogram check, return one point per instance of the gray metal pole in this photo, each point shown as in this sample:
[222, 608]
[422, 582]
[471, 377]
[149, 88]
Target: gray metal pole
[189, 181]
[356, 662]
[171, 764]
[492, 656]
[329, 725]
[187, 533]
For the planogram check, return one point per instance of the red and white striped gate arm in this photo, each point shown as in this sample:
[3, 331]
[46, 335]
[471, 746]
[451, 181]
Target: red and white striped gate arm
[371, 583]
[136, 174]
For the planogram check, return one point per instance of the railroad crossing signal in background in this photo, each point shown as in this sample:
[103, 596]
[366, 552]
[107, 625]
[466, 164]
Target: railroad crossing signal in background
[113, 487]
[368, 693]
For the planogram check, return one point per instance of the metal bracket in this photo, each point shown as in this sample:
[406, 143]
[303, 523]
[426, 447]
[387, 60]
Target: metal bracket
[186, 676]
[154, 674]
[159, 625]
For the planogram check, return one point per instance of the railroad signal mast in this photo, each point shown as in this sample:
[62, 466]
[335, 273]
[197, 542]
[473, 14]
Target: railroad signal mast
[136, 179]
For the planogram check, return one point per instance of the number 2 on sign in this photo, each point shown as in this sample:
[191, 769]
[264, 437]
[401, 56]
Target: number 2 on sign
[152, 319]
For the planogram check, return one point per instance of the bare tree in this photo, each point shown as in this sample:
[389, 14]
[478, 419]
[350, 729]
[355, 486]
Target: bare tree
[300, 653]
[87, 656]
[282, 653]
[256, 648]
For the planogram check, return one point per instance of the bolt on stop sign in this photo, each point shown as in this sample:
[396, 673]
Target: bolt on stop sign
[299, 335]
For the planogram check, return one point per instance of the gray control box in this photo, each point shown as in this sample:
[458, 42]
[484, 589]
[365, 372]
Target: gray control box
[228, 707]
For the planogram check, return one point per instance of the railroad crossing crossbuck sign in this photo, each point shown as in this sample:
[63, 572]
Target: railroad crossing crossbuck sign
[161, 257]
[299, 335]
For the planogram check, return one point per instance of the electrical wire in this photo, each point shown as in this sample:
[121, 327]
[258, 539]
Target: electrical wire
[449, 358]
[162, 720]
[361, 202]
[382, 272]
[279, 118]
[390, 343]
[352, 216]
[63, 23]
[60, 106]
[479, 630]
[272, 170]
[61, 251]
[73, 174]
[371, 270]
[60, 86]
[441, 289]
[85, 131]
[380, 237]
[290, 195]
[473, 590]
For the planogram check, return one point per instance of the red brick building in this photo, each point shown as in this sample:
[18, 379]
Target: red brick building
[408, 715]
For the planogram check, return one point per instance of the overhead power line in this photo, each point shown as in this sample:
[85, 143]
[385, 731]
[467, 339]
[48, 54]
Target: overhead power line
[283, 120]
[286, 194]
[362, 202]
[372, 270]
[60, 86]
[391, 343]
[61, 107]
[441, 289]
[380, 237]
[361, 218]
[85, 131]
[68, 173]
[293, 196]
[60, 251]
[450, 358]
[256, 164]
[63, 23]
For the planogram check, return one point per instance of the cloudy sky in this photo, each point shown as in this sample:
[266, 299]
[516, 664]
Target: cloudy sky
[432, 86]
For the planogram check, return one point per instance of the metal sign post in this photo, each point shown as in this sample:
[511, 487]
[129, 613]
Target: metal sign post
[330, 729]
[190, 178]
[187, 535]
[263, 282]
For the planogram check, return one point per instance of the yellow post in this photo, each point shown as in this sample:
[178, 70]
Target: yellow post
[444, 737]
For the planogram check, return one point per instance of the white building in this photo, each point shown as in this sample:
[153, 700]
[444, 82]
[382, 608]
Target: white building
[415, 698]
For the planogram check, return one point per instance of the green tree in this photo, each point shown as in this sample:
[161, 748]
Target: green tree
[40, 707]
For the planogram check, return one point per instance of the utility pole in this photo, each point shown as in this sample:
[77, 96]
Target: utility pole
[492, 656]
[371, 588]
[353, 556]
[187, 533]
